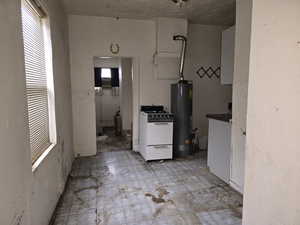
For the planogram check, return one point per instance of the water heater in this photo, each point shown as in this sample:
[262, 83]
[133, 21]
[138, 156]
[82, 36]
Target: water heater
[182, 107]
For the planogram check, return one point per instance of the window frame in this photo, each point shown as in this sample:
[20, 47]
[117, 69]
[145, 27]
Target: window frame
[46, 34]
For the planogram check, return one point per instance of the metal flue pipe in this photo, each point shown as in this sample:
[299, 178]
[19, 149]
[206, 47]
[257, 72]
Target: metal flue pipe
[182, 55]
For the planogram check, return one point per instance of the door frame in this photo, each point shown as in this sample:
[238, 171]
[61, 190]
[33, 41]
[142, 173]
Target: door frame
[135, 98]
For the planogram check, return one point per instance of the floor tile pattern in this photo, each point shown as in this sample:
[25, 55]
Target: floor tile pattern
[119, 188]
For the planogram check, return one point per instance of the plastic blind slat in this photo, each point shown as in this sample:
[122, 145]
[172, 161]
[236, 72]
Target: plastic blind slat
[36, 81]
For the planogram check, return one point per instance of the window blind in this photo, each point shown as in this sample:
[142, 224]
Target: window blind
[36, 80]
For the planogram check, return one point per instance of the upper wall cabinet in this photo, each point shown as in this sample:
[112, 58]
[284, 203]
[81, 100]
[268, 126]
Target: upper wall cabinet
[166, 28]
[167, 56]
[227, 59]
[166, 66]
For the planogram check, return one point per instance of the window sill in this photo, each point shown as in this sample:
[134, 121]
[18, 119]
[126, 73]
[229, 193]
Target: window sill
[39, 161]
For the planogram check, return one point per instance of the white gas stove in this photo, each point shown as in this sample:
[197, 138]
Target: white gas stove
[156, 133]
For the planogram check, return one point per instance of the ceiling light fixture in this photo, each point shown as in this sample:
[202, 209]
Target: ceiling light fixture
[180, 3]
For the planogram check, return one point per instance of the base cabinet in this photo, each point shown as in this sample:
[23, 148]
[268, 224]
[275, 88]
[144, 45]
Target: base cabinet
[219, 142]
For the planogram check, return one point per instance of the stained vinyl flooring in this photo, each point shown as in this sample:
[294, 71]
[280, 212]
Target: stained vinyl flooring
[120, 188]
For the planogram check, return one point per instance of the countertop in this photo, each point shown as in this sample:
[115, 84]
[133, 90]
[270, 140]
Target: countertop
[226, 117]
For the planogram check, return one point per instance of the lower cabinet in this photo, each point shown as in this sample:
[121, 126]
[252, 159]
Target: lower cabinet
[219, 145]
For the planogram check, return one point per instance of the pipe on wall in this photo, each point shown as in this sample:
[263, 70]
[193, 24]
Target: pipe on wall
[182, 54]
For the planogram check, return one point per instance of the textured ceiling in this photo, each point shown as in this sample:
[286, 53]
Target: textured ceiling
[214, 12]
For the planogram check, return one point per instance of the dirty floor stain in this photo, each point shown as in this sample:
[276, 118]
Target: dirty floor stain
[161, 193]
[119, 188]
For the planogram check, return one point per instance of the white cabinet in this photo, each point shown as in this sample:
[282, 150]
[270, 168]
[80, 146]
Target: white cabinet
[227, 58]
[166, 66]
[219, 139]
[237, 173]
[167, 56]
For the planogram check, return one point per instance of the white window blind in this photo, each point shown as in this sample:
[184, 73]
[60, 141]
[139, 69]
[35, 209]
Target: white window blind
[36, 80]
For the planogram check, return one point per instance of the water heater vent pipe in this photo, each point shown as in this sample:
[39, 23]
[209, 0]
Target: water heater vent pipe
[182, 55]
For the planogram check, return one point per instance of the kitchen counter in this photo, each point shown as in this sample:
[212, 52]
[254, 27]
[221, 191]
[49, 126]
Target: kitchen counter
[226, 117]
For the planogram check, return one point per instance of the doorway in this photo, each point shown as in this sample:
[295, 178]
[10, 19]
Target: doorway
[113, 78]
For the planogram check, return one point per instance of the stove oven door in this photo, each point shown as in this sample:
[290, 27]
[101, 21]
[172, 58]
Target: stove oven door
[159, 133]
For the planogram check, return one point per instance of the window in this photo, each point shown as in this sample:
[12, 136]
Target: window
[106, 73]
[107, 78]
[39, 78]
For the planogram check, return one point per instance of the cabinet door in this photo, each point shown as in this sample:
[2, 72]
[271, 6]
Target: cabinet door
[166, 66]
[227, 59]
[219, 140]
[237, 173]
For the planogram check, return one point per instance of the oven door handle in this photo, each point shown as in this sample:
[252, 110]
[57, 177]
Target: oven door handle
[161, 123]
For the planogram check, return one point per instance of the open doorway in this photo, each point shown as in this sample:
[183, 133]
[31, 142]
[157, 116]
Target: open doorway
[114, 103]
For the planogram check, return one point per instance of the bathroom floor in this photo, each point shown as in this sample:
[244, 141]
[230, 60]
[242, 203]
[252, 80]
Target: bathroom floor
[109, 141]
[120, 188]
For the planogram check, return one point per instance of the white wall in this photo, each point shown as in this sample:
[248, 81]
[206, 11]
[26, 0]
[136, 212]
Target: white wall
[14, 189]
[21, 191]
[126, 93]
[240, 93]
[273, 124]
[92, 36]
[204, 49]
